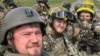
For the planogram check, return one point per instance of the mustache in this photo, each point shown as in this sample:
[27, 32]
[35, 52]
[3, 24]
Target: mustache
[33, 45]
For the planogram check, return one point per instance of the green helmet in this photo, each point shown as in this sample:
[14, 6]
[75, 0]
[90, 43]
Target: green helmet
[66, 5]
[17, 17]
[78, 5]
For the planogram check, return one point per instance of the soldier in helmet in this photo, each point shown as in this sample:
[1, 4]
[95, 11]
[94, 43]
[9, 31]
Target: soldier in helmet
[44, 15]
[43, 4]
[43, 9]
[9, 4]
[78, 5]
[21, 33]
[85, 16]
[66, 5]
[89, 4]
[83, 31]
[56, 42]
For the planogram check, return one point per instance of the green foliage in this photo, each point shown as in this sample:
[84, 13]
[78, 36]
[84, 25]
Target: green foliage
[52, 3]
[26, 2]
[97, 3]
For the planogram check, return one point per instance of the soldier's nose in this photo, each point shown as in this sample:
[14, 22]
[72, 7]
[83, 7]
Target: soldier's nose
[33, 38]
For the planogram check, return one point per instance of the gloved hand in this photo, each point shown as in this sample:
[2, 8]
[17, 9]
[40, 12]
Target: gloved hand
[86, 24]
[96, 27]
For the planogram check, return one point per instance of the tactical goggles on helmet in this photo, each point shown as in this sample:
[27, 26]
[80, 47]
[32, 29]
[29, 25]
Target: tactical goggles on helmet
[65, 15]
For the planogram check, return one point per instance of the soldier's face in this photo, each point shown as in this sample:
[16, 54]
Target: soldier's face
[42, 5]
[28, 40]
[85, 16]
[59, 26]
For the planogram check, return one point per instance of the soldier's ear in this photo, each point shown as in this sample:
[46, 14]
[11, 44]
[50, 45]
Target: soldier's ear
[10, 42]
[9, 38]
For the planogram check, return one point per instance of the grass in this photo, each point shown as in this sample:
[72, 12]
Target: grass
[58, 2]
[97, 3]
[33, 2]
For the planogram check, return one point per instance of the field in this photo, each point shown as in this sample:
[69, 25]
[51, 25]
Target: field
[52, 3]
[97, 3]
[33, 2]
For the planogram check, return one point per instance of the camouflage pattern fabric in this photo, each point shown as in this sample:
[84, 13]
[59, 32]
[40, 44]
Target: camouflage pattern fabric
[44, 13]
[10, 51]
[55, 44]
[80, 34]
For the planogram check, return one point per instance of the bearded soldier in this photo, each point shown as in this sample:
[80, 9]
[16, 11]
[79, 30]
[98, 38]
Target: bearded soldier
[21, 33]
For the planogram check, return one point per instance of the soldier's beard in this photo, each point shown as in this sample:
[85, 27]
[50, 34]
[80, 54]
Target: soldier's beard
[34, 51]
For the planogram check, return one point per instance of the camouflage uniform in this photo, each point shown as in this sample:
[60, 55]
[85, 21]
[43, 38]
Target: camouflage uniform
[1, 14]
[79, 34]
[44, 13]
[84, 35]
[9, 4]
[43, 10]
[58, 45]
[10, 51]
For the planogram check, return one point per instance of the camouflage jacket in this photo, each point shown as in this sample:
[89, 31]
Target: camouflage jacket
[44, 13]
[58, 45]
[83, 38]
[9, 51]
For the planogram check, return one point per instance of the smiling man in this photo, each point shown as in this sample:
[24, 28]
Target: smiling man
[56, 42]
[22, 33]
